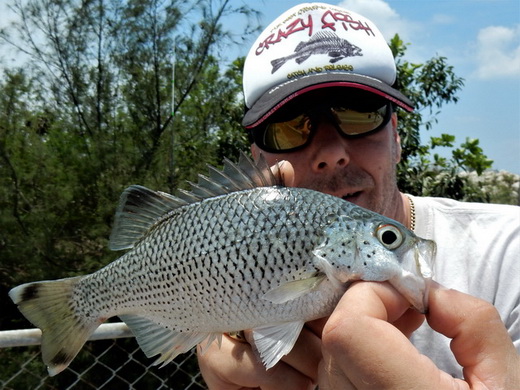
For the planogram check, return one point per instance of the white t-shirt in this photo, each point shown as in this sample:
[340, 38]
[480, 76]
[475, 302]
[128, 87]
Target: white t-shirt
[478, 253]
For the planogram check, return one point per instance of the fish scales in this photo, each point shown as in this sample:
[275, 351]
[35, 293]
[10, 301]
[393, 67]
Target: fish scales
[222, 259]
[248, 243]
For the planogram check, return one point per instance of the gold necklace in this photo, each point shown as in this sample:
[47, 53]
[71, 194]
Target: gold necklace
[412, 213]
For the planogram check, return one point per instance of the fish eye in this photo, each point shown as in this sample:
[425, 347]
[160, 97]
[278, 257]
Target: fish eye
[390, 236]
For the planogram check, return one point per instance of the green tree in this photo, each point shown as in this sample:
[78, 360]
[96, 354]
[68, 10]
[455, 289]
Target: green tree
[94, 114]
[421, 171]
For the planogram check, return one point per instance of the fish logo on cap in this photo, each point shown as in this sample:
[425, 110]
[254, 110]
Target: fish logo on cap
[323, 42]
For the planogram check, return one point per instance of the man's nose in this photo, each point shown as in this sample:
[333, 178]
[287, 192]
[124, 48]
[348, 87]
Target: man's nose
[330, 148]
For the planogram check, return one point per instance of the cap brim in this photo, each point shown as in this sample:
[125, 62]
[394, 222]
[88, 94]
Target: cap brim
[277, 97]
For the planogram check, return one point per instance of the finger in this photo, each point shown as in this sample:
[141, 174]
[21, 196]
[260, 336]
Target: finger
[480, 342]
[331, 378]
[317, 326]
[285, 170]
[366, 351]
[409, 322]
[306, 354]
[235, 366]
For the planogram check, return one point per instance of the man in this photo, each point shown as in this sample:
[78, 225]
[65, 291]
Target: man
[318, 87]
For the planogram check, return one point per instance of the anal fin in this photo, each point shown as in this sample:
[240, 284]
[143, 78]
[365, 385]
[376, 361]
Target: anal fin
[155, 339]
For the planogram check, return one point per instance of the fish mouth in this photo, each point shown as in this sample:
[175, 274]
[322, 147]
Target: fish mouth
[424, 254]
[415, 279]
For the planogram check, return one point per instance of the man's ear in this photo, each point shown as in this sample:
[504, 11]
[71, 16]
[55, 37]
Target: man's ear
[397, 139]
[255, 152]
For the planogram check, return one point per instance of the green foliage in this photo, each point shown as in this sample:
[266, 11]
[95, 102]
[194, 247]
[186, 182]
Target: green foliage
[495, 187]
[94, 113]
[101, 105]
[422, 172]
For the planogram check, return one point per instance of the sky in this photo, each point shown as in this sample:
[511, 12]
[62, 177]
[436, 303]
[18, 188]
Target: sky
[479, 38]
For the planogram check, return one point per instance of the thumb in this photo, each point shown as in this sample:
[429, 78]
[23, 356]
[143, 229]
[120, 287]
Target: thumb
[480, 341]
[285, 171]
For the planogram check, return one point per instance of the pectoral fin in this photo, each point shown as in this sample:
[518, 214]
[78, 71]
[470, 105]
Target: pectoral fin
[292, 290]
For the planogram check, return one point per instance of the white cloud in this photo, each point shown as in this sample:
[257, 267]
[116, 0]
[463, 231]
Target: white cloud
[385, 17]
[498, 52]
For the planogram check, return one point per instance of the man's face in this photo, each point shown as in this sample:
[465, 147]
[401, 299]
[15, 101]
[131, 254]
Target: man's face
[360, 170]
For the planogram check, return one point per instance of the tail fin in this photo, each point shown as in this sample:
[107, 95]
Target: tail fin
[277, 64]
[47, 305]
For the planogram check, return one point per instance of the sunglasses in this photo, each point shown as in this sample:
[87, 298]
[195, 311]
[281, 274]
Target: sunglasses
[297, 132]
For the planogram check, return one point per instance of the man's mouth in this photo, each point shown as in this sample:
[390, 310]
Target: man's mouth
[352, 196]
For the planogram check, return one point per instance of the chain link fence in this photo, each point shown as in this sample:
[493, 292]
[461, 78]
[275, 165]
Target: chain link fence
[103, 363]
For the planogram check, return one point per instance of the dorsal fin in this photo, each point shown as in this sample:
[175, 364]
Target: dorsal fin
[141, 208]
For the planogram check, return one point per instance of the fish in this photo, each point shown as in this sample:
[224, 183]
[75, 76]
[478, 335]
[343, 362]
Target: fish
[323, 42]
[238, 251]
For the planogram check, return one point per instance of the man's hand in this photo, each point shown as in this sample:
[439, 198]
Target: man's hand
[365, 346]
[362, 349]
[235, 365]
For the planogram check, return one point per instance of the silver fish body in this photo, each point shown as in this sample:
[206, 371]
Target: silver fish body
[222, 259]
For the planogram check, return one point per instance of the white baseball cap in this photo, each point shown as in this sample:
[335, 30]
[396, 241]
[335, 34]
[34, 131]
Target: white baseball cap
[313, 46]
